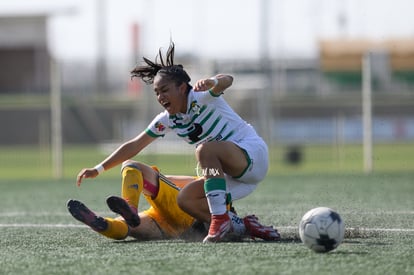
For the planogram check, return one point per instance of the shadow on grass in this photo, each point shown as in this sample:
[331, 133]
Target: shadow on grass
[349, 252]
[366, 243]
[195, 240]
[290, 240]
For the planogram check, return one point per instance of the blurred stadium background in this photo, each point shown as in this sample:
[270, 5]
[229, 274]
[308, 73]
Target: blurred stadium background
[307, 106]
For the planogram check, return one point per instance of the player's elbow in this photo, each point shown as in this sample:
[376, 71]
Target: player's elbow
[226, 80]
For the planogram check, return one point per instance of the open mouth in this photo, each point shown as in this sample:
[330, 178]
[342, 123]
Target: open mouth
[166, 105]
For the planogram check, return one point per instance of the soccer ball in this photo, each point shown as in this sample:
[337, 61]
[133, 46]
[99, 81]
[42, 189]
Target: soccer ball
[321, 229]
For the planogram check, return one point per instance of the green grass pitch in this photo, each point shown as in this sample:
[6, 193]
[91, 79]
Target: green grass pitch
[38, 235]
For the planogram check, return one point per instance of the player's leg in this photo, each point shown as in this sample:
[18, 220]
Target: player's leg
[192, 200]
[246, 170]
[217, 159]
[147, 230]
[164, 219]
[246, 184]
[137, 178]
[132, 184]
[122, 208]
[115, 228]
[83, 214]
[164, 210]
[111, 228]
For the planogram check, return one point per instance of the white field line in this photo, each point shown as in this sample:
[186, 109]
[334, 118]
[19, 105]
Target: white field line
[358, 229]
[105, 213]
[41, 225]
[46, 214]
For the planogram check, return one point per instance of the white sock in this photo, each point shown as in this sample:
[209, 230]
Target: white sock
[217, 202]
[237, 223]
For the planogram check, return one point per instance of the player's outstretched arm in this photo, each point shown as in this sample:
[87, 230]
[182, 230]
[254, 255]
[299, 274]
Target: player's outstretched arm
[124, 152]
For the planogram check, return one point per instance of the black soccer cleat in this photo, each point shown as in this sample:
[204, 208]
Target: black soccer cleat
[121, 207]
[83, 214]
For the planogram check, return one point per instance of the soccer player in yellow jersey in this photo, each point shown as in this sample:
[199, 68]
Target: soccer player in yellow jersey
[163, 219]
[232, 156]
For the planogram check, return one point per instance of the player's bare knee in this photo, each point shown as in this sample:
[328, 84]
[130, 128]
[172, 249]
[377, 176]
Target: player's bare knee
[205, 150]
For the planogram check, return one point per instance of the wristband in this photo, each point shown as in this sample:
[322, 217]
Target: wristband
[99, 168]
[215, 81]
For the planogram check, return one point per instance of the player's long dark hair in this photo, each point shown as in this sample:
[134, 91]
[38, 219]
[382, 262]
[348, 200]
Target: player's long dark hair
[165, 66]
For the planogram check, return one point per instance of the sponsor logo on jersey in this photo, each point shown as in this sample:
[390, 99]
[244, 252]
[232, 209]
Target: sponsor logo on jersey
[159, 126]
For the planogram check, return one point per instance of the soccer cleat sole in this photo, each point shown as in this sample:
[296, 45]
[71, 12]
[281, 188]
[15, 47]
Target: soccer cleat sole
[83, 214]
[121, 207]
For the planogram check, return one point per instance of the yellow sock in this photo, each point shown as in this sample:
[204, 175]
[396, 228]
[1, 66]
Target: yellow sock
[132, 185]
[117, 229]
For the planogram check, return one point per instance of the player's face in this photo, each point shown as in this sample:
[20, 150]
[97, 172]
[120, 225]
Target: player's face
[172, 97]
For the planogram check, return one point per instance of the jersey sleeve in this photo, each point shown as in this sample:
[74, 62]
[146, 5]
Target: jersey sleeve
[158, 126]
[205, 97]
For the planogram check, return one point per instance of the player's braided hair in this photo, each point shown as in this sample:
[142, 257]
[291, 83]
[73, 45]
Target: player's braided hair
[165, 67]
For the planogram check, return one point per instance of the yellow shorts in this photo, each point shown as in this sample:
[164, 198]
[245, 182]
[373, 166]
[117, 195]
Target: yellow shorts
[165, 211]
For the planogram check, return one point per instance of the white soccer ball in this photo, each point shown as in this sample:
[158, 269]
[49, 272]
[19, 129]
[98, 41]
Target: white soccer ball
[321, 229]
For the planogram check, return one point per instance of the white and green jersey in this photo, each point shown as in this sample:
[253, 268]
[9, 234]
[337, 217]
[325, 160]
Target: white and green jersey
[208, 118]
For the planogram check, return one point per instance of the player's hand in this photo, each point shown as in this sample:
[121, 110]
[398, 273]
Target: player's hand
[86, 173]
[204, 84]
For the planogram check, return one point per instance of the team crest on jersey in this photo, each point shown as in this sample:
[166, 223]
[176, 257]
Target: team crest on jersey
[195, 107]
[159, 126]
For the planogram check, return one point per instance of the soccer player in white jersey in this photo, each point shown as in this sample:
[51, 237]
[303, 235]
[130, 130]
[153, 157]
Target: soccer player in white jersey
[233, 158]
